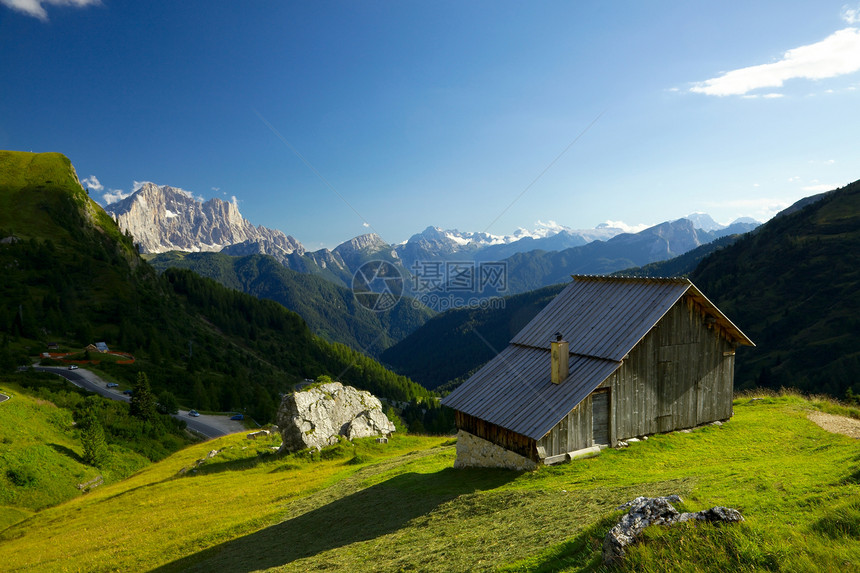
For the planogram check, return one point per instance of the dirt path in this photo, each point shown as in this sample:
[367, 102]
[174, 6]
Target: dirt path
[837, 424]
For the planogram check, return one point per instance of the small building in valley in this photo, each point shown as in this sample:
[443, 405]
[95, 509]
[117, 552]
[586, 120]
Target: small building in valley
[98, 347]
[610, 358]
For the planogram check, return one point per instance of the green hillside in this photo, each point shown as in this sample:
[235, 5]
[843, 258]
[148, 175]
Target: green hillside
[41, 197]
[329, 310]
[794, 287]
[401, 506]
[454, 343]
[35, 469]
[71, 277]
[42, 460]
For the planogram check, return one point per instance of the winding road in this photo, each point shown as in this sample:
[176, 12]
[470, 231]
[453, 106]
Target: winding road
[3, 398]
[208, 426]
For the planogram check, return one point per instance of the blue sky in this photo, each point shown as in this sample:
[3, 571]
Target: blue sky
[330, 119]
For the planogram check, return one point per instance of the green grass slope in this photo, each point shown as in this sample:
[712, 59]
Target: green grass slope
[331, 311]
[33, 185]
[401, 506]
[794, 287]
[41, 455]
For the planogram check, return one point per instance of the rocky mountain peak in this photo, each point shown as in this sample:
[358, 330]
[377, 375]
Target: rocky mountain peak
[361, 243]
[170, 219]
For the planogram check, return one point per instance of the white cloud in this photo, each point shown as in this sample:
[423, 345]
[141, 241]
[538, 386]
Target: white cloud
[851, 15]
[625, 227]
[114, 195]
[137, 185]
[92, 183]
[759, 208]
[820, 188]
[836, 55]
[550, 226]
[234, 200]
[36, 9]
[216, 189]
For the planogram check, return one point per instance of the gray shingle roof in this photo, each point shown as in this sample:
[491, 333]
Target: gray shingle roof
[603, 318]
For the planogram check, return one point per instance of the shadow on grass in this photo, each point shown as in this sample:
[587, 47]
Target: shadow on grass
[67, 452]
[367, 514]
[840, 521]
[583, 552]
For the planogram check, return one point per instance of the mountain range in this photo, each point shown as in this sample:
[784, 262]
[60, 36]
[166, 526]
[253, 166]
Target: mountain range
[163, 219]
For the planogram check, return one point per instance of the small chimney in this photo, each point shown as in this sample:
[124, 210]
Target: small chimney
[560, 356]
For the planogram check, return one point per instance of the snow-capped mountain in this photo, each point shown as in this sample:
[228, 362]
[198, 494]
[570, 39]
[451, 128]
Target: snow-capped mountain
[435, 243]
[166, 218]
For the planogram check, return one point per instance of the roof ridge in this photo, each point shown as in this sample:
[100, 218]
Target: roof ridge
[623, 278]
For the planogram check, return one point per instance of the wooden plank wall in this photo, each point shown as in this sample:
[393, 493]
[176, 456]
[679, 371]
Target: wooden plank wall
[572, 433]
[496, 434]
[679, 376]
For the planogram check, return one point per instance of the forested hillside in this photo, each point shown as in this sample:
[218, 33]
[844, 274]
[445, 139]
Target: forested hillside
[331, 311]
[794, 287]
[72, 278]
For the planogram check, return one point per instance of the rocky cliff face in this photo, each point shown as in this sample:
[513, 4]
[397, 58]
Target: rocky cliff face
[168, 219]
[315, 418]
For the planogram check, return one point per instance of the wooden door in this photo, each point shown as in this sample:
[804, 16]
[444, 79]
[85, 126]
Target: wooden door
[600, 418]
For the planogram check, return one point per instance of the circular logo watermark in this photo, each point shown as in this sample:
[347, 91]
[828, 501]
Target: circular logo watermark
[377, 285]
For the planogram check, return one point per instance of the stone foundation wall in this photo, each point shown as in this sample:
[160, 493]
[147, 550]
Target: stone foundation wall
[475, 452]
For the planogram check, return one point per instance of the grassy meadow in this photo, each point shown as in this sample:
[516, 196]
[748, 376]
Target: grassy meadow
[41, 460]
[401, 506]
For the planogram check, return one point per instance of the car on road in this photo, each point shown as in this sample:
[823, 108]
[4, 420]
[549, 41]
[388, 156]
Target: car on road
[73, 367]
[237, 417]
[127, 392]
[111, 384]
[193, 413]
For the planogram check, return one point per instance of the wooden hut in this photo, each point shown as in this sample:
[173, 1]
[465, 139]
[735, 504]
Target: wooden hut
[610, 358]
